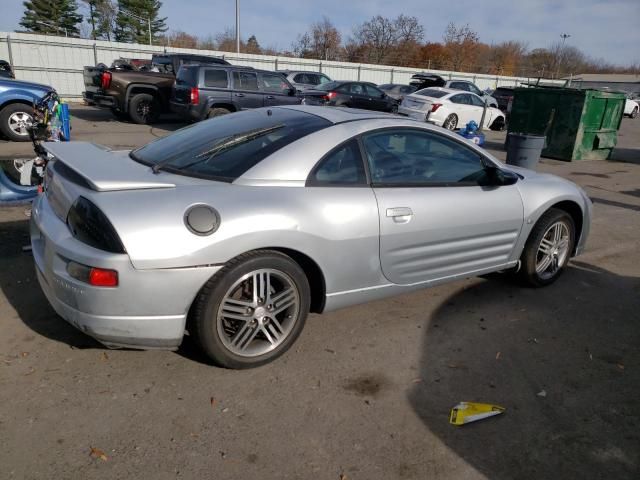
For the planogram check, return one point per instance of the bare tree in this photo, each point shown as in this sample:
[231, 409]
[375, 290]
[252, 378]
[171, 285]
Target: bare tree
[461, 44]
[302, 46]
[379, 35]
[325, 40]
[408, 29]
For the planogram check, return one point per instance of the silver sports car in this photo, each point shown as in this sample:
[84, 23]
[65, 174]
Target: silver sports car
[234, 229]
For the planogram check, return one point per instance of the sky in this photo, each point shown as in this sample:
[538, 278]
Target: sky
[601, 29]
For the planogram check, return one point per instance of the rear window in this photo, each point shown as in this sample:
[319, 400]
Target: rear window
[430, 92]
[215, 78]
[187, 76]
[224, 148]
[328, 86]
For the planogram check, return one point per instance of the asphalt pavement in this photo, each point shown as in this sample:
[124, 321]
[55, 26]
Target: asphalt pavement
[366, 391]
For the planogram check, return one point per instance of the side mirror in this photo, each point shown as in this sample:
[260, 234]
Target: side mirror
[499, 177]
[383, 95]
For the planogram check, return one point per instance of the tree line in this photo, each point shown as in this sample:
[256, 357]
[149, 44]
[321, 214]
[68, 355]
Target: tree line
[396, 41]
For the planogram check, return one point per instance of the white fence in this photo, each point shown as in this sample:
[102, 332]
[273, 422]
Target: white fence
[58, 61]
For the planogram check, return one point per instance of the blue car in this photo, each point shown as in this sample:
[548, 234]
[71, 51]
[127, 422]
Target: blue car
[16, 107]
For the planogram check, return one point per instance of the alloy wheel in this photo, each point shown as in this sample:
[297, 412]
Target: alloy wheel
[553, 250]
[258, 312]
[19, 123]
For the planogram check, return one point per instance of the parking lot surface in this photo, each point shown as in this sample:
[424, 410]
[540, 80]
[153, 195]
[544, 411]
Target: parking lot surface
[366, 391]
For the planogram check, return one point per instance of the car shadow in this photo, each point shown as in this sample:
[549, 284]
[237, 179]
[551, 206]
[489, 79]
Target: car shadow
[626, 155]
[167, 121]
[19, 285]
[563, 360]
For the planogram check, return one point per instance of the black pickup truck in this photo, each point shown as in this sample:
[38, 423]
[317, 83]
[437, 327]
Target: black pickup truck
[140, 95]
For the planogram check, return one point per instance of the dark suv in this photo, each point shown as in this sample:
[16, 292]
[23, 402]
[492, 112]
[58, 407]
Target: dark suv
[205, 91]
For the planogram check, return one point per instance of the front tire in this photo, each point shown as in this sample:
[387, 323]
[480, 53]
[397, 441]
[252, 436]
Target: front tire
[451, 122]
[498, 124]
[548, 248]
[252, 310]
[15, 120]
[634, 113]
[144, 109]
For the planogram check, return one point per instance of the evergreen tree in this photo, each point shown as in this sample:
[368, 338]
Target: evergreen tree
[52, 17]
[131, 29]
[253, 46]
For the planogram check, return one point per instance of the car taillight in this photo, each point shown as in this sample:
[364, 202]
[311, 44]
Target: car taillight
[98, 277]
[89, 225]
[105, 80]
[435, 106]
[195, 96]
[330, 96]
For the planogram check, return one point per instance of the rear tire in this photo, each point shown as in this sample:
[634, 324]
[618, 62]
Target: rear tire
[451, 122]
[548, 248]
[14, 120]
[252, 310]
[144, 109]
[216, 112]
[634, 113]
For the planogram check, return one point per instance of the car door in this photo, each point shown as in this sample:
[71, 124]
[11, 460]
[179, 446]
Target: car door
[359, 97]
[437, 220]
[461, 108]
[378, 100]
[246, 93]
[215, 85]
[476, 106]
[277, 90]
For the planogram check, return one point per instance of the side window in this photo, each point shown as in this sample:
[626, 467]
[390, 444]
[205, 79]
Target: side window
[274, 83]
[460, 99]
[356, 89]
[215, 78]
[301, 78]
[373, 91]
[341, 167]
[245, 80]
[474, 89]
[345, 89]
[476, 101]
[323, 79]
[421, 158]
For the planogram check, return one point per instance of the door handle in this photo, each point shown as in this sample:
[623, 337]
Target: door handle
[400, 214]
[270, 97]
[239, 94]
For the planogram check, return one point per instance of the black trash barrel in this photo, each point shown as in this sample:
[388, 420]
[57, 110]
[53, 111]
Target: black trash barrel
[524, 150]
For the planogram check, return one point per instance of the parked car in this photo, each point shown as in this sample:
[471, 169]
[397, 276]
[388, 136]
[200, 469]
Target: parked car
[363, 95]
[16, 107]
[426, 80]
[302, 80]
[205, 91]
[236, 227]
[450, 109]
[138, 95]
[5, 70]
[471, 87]
[397, 91]
[502, 96]
[631, 108]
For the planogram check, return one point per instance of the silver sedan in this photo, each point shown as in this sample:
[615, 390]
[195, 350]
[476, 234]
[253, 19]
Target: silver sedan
[234, 229]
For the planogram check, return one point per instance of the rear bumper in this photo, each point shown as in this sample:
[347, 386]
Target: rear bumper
[105, 101]
[186, 111]
[148, 309]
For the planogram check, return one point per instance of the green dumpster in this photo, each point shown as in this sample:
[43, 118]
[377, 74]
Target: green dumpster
[577, 124]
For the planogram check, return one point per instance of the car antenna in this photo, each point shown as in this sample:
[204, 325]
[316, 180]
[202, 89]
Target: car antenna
[269, 112]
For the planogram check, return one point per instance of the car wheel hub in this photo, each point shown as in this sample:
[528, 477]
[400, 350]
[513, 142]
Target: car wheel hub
[553, 250]
[19, 122]
[258, 312]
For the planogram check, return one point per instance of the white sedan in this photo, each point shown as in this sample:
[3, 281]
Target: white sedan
[449, 108]
[631, 108]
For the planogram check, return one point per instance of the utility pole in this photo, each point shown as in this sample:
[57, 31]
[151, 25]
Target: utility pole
[237, 26]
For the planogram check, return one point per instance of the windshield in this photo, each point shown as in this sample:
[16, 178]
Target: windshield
[224, 148]
[431, 92]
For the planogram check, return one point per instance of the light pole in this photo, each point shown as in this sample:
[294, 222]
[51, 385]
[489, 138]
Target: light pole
[564, 37]
[138, 17]
[237, 26]
[66, 33]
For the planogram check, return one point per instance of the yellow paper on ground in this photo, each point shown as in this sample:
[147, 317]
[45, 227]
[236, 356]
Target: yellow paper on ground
[467, 412]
